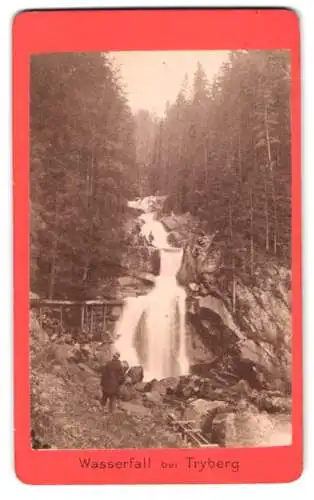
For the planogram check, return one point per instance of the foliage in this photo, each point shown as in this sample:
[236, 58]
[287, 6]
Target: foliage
[81, 170]
[223, 154]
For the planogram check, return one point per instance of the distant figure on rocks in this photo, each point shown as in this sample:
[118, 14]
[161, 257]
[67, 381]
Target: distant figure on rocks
[150, 238]
[112, 377]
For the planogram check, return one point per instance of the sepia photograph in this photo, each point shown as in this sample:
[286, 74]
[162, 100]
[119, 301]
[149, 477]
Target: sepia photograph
[160, 249]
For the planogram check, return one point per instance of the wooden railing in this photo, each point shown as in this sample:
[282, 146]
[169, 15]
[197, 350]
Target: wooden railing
[91, 314]
[190, 434]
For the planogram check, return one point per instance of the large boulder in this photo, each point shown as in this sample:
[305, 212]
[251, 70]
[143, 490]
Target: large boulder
[174, 222]
[272, 402]
[200, 257]
[261, 363]
[103, 354]
[63, 353]
[176, 238]
[135, 374]
[200, 411]
[246, 426]
[241, 389]
[156, 387]
[156, 391]
[140, 387]
[216, 306]
[155, 261]
[189, 386]
[152, 399]
[170, 384]
[261, 319]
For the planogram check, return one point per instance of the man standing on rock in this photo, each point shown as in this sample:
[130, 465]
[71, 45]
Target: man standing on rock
[112, 377]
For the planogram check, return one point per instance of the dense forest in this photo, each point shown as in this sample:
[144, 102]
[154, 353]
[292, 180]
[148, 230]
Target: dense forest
[221, 152]
[82, 171]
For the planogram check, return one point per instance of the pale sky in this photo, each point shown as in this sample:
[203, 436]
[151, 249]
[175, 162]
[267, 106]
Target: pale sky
[151, 78]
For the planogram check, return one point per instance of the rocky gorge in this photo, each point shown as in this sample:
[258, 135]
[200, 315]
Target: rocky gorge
[238, 337]
[238, 344]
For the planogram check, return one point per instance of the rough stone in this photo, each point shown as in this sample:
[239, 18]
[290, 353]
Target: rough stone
[201, 410]
[152, 398]
[265, 401]
[263, 307]
[246, 426]
[241, 389]
[217, 306]
[194, 287]
[140, 387]
[158, 387]
[189, 386]
[136, 374]
[115, 312]
[170, 384]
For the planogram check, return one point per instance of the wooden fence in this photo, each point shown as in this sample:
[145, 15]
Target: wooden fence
[90, 316]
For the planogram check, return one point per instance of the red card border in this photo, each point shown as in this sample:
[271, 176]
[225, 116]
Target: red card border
[150, 29]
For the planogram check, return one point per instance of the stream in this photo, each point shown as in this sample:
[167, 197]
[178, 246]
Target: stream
[151, 330]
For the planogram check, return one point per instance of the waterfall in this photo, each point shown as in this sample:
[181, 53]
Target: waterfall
[126, 328]
[151, 330]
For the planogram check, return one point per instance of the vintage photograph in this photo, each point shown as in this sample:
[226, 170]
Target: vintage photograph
[160, 249]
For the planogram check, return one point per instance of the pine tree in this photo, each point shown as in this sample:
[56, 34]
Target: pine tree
[82, 170]
[228, 147]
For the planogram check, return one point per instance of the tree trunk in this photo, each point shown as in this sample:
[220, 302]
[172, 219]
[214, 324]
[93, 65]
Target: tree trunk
[240, 158]
[54, 250]
[252, 239]
[275, 209]
[233, 260]
[163, 174]
[53, 268]
[90, 189]
[270, 164]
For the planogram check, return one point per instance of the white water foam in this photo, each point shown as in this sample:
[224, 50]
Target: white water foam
[151, 329]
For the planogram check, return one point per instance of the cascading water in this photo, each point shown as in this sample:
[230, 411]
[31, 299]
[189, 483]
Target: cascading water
[151, 330]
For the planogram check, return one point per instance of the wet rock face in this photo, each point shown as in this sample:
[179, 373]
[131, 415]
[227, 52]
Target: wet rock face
[155, 261]
[239, 422]
[259, 321]
[201, 258]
